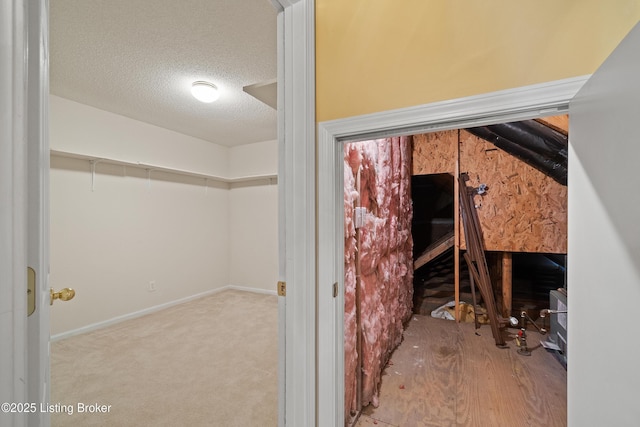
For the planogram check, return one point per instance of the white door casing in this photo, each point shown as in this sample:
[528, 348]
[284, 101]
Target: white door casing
[282, 272]
[504, 106]
[297, 201]
[38, 324]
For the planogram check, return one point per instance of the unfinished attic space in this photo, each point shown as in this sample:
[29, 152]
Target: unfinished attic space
[450, 232]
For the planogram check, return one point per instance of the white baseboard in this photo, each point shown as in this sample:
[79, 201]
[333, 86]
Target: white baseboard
[254, 290]
[140, 313]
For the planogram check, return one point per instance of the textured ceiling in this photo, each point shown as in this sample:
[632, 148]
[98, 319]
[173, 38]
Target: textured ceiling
[138, 58]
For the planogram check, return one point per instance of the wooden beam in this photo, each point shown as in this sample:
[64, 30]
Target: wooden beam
[456, 228]
[358, 203]
[436, 249]
[507, 283]
[557, 123]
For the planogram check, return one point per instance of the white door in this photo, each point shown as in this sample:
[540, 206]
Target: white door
[604, 243]
[24, 154]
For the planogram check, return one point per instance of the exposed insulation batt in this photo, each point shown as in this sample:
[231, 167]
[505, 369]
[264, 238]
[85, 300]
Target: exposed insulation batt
[386, 258]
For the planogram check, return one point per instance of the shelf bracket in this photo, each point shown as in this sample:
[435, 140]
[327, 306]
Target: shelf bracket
[93, 163]
[148, 177]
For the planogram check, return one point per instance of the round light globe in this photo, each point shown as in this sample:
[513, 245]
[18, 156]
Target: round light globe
[204, 91]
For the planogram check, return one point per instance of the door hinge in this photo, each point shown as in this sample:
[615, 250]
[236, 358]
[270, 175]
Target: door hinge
[335, 289]
[282, 289]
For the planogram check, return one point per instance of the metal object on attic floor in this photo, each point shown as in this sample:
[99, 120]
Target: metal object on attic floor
[522, 334]
[557, 314]
[557, 341]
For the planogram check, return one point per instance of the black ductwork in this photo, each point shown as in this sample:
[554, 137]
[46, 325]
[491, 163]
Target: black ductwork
[534, 143]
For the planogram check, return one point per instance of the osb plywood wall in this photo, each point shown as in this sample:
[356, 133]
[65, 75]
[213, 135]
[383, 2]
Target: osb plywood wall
[523, 210]
[434, 153]
[557, 123]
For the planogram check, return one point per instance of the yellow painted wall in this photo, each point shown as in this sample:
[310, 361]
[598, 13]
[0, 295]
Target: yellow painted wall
[377, 55]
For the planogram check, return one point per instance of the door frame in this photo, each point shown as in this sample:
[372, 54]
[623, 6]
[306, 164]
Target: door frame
[24, 116]
[38, 164]
[297, 205]
[522, 103]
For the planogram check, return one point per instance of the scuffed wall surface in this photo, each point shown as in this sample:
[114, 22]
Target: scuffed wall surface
[386, 258]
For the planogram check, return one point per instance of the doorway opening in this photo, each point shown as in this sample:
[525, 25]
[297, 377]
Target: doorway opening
[522, 211]
[433, 231]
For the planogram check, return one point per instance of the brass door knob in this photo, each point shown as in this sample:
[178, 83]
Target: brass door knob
[64, 294]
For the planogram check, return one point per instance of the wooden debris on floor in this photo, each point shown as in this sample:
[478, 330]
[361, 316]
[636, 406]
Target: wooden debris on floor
[434, 284]
[436, 249]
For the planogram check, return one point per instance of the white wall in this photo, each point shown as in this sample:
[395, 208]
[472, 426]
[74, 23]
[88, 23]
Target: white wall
[253, 214]
[253, 236]
[604, 244]
[254, 159]
[109, 243]
[82, 129]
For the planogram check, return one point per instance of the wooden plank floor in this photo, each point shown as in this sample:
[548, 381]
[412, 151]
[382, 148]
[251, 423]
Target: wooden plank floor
[443, 374]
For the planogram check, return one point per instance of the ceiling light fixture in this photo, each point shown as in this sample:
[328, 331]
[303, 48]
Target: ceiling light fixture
[204, 91]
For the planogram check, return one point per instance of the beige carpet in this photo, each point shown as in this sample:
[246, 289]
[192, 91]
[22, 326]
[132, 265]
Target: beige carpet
[208, 362]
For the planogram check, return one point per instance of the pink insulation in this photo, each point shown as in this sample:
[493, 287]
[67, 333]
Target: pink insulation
[385, 248]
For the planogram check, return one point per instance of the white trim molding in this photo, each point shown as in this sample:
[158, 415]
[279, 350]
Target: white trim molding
[538, 100]
[251, 290]
[38, 324]
[297, 202]
[509, 105]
